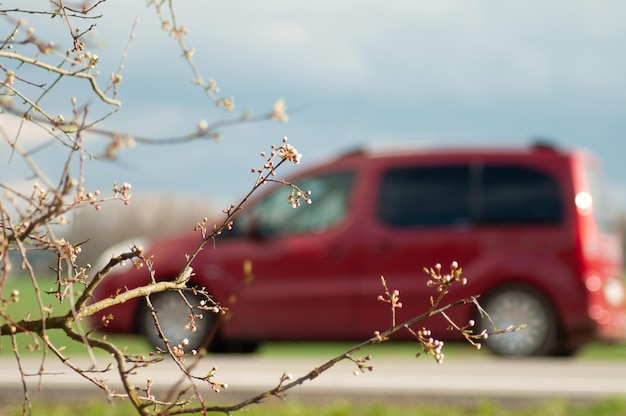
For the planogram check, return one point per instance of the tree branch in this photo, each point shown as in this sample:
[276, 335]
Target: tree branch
[76, 74]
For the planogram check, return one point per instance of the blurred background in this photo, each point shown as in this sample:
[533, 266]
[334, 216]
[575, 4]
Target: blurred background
[352, 72]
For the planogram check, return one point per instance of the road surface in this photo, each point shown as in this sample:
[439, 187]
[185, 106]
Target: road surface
[404, 379]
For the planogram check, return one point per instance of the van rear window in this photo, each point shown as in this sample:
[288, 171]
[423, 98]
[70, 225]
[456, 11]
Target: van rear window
[448, 195]
[518, 195]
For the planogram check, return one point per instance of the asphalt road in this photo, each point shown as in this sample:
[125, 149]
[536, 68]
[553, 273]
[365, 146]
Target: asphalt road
[404, 379]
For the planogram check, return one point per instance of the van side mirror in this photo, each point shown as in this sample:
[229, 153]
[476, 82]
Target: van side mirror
[254, 230]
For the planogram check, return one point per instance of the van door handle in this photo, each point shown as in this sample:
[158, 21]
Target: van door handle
[380, 248]
[334, 251]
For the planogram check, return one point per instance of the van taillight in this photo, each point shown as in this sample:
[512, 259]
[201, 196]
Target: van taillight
[614, 291]
[593, 283]
[584, 202]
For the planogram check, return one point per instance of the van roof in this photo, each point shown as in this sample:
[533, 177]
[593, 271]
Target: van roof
[411, 148]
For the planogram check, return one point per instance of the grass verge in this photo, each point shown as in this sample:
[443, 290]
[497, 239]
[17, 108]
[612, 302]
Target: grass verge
[605, 407]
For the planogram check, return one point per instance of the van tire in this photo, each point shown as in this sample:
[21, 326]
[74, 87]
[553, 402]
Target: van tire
[173, 315]
[516, 305]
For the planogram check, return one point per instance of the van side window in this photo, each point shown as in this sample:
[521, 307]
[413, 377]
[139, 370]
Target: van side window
[449, 195]
[329, 193]
[518, 195]
[417, 196]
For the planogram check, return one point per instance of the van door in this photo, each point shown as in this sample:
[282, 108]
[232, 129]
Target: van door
[421, 216]
[303, 264]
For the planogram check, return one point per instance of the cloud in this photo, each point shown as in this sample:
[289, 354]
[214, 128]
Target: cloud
[366, 69]
[478, 51]
[24, 134]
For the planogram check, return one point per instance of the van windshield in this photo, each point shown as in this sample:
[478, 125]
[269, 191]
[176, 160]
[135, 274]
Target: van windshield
[274, 215]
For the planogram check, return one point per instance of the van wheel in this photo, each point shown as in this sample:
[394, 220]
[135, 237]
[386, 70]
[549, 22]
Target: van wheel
[518, 305]
[173, 315]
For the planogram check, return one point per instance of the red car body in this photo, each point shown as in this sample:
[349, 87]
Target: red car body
[317, 276]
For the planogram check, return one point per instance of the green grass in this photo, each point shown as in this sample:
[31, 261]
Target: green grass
[592, 351]
[605, 407]
[484, 408]
[27, 306]
[331, 349]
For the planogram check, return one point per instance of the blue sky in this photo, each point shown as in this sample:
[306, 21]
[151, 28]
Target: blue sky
[353, 72]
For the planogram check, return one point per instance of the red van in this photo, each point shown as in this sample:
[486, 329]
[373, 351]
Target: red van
[531, 227]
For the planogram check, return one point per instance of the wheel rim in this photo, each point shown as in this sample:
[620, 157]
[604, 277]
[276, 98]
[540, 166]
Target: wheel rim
[517, 307]
[173, 315]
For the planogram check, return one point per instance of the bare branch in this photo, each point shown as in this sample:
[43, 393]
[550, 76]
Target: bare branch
[76, 74]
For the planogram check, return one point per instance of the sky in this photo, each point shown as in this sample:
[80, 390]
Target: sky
[352, 73]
